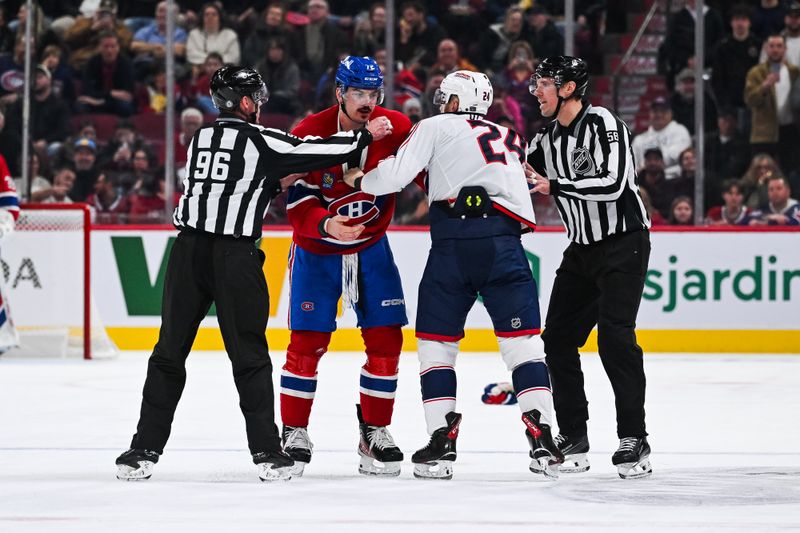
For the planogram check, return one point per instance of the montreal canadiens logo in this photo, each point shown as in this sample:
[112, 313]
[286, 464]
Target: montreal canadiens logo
[582, 162]
[359, 206]
[307, 306]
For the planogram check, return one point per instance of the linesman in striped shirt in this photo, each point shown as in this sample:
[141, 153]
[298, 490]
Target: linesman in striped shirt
[234, 167]
[583, 159]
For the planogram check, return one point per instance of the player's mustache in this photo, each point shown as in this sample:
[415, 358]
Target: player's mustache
[365, 109]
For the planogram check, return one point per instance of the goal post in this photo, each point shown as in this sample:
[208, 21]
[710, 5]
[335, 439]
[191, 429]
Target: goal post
[48, 279]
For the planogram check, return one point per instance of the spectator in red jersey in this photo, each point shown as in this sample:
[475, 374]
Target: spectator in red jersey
[199, 91]
[734, 211]
[655, 217]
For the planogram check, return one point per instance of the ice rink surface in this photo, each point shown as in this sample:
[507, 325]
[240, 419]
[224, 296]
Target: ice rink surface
[724, 430]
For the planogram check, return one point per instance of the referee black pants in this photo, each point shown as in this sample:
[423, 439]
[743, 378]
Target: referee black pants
[202, 269]
[598, 284]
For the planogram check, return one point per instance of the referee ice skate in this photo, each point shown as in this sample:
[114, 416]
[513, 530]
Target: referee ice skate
[234, 167]
[586, 157]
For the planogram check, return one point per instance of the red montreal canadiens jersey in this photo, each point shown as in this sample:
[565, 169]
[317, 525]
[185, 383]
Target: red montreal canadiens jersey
[322, 192]
[8, 191]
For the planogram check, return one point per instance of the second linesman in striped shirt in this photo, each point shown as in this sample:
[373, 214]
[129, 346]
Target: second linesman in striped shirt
[584, 160]
[234, 167]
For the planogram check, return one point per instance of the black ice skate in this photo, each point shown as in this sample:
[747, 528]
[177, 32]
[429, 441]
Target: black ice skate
[136, 464]
[274, 466]
[632, 458]
[380, 456]
[298, 446]
[435, 461]
[575, 449]
[545, 455]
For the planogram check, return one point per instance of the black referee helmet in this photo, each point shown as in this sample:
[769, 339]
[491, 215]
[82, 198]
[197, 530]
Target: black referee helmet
[563, 69]
[230, 84]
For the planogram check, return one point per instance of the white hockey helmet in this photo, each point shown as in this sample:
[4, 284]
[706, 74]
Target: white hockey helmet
[474, 91]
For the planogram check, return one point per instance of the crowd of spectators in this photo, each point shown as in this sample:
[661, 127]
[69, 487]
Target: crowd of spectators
[97, 60]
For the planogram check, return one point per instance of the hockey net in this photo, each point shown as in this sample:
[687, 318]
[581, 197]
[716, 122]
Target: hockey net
[47, 273]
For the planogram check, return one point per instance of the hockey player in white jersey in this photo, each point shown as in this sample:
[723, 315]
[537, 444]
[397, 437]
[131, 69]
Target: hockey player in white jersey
[480, 205]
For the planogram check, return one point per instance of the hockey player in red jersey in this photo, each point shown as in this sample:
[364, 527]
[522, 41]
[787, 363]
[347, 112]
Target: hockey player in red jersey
[9, 213]
[340, 249]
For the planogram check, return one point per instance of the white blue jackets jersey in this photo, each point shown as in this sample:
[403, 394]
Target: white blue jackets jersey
[460, 150]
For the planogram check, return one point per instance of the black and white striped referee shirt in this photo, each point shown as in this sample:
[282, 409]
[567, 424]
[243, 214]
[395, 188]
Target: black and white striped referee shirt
[233, 170]
[592, 175]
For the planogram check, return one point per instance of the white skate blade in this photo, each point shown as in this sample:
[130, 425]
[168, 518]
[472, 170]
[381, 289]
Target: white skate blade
[370, 466]
[129, 473]
[542, 466]
[574, 464]
[434, 470]
[298, 469]
[267, 472]
[639, 470]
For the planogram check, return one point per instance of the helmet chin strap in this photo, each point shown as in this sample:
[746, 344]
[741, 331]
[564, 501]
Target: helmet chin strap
[561, 100]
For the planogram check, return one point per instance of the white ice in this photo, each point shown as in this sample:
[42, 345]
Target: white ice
[724, 432]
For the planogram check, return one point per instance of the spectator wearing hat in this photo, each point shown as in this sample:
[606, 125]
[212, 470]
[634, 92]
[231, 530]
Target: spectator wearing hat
[665, 134]
[108, 80]
[84, 161]
[544, 36]
[682, 102]
[49, 114]
[767, 94]
[83, 38]
[792, 33]
[412, 108]
[735, 55]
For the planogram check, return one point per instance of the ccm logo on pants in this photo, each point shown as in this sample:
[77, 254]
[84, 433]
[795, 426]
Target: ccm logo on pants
[396, 301]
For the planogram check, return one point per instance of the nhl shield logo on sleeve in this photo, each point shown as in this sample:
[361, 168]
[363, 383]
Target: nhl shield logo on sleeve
[516, 322]
[582, 162]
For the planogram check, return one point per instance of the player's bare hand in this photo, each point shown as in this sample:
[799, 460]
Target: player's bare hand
[338, 228]
[287, 181]
[540, 184]
[529, 172]
[352, 175]
[379, 128]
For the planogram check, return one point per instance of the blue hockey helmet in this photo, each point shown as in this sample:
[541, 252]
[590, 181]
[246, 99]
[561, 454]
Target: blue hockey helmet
[360, 73]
